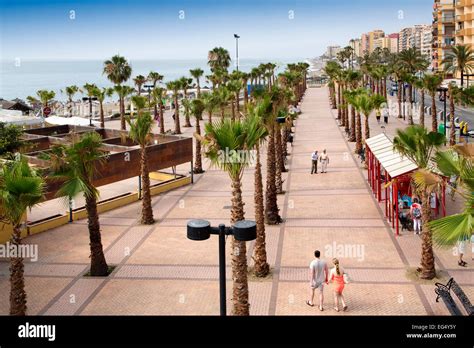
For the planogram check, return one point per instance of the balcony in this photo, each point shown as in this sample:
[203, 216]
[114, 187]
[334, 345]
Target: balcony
[447, 19]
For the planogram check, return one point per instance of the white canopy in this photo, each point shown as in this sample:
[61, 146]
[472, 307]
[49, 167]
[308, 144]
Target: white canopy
[73, 121]
[392, 161]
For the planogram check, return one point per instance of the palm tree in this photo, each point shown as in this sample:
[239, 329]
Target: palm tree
[158, 94]
[223, 96]
[140, 132]
[20, 189]
[139, 81]
[76, 166]
[366, 104]
[460, 59]
[101, 94]
[418, 145]
[185, 83]
[122, 92]
[197, 74]
[261, 111]
[45, 97]
[197, 108]
[332, 69]
[118, 71]
[210, 101]
[70, 92]
[218, 59]
[175, 86]
[234, 86]
[410, 79]
[432, 83]
[458, 162]
[418, 83]
[234, 137]
[155, 77]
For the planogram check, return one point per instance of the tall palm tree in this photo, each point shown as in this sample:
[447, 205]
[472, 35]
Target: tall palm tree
[210, 101]
[261, 111]
[418, 145]
[139, 81]
[368, 103]
[218, 59]
[118, 71]
[197, 74]
[234, 86]
[158, 94]
[223, 96]
[175, 86]
[45, 97]
[101, 94]
[332, 69]
[418, 83]
[185, 83]
[20, 189]
[155, 77]
[76, 166]
[459, 59]
[140, 131]
[410, 79]
[228, 137]
[432, 82]
[123, 91]
[70, 92]
[197, 108]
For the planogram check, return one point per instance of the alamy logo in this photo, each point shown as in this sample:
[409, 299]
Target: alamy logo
[37, 331]
[237, 156]
[356, 251]
[26, 251]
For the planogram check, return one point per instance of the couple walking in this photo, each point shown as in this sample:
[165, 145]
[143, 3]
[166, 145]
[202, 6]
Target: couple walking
[323, 158]
[319, 274]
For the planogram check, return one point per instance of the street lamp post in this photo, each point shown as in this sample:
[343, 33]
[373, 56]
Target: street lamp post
[244, 231]
[90, 99]
[237, 37]
[148, 89]
[444, 90]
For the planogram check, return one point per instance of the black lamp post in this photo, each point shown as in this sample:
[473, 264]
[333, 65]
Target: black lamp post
[148, 89]
[90, 99]
[444, 90]
[244, 231]
[237, 37]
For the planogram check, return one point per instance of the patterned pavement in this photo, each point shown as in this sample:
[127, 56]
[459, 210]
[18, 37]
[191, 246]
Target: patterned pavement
[159, 271]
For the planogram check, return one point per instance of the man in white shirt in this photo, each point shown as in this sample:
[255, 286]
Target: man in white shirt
[318, 275]
[314, 160]
[324, 158]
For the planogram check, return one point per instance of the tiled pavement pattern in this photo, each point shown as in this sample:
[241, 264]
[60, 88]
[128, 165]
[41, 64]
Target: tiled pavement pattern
[159, 271]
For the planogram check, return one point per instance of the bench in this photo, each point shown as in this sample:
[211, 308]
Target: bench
[444, 291]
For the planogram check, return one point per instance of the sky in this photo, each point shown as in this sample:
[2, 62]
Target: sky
[177, 29]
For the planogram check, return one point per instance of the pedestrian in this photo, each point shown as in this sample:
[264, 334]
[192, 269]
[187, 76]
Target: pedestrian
[415, 212]
[336, 275]
[461, 246]
[324, 159]
[318, 275]
[290, 139]
[385, 115]
[314, 162]
[378, 115]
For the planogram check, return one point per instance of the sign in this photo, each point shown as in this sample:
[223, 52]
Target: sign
[46, 111]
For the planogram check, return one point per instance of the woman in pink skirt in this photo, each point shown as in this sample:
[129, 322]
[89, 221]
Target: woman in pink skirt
[336, 275]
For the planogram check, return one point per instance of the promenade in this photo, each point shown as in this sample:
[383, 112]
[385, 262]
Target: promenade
[160, 272]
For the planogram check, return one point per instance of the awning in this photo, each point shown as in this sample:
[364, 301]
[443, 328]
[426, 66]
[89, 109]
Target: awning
[392, 161]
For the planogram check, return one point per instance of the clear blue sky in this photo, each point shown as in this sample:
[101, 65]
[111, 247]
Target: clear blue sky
[150, 29]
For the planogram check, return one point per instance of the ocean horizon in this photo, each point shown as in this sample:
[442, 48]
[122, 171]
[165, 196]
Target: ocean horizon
[22, 78]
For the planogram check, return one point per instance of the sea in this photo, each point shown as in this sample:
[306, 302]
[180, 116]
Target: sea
[22, 78]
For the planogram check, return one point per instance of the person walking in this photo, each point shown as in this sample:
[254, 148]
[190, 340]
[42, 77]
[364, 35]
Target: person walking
[415, 212]
[385, 115]
[318, 275]
[314, 162]
[324, 159]
[336, 275]
[461, 246]
[378, 115]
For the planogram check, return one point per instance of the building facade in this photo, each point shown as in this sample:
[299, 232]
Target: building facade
[443, 34]
[332, 51]
[464, 22]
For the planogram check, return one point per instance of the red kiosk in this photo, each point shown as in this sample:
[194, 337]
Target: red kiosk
[389, 176]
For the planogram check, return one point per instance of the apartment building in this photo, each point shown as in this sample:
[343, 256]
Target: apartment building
[443, 34]
[332, 51]
[464, 10]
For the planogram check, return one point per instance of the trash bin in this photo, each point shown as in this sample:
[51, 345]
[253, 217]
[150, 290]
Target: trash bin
[441, 129]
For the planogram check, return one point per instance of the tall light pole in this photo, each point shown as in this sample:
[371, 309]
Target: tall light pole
[237, 37]
[90, 99]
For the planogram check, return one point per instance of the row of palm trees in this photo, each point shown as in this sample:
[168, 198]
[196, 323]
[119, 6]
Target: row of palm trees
[365, 90]
[75, 165]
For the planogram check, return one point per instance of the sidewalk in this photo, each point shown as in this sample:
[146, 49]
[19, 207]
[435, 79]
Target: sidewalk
[160, 272]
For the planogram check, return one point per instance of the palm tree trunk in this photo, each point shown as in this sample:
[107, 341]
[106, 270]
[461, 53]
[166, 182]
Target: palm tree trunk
[279, 160]
[162, 119]
[452, 135]
[284, 143]
[237, 103]
[399, 96]
[240, 291]
[147, 210]
[17, 279]
[209, 113]
[353, 125]
[102, 121]
[198, 158]
[99, 266]
[427, 257]
[271, 205]
[410, 104]
[358, 147]
[261, 265]
[177, 128]
[366, 126]
[434, 119]
[122, 113]
[246, 96]
[187, 120]
[222, 113]
[346, 116]
[198, 89]
[339, 101]
[422, 108]
[232, 104]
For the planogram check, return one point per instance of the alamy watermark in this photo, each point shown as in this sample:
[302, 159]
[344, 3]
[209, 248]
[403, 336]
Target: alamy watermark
[354, 251]
[248, 157]
[26, 251]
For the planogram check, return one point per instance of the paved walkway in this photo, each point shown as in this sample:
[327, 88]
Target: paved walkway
[159, 271]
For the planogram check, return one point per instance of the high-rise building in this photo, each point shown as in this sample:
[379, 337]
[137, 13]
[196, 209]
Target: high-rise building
[356, 46]
[374, 35]
[426, 41]
[464, 10]
[404, 40]
[332, 51]
[443, 31]
[393, 42]
[364, 44]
